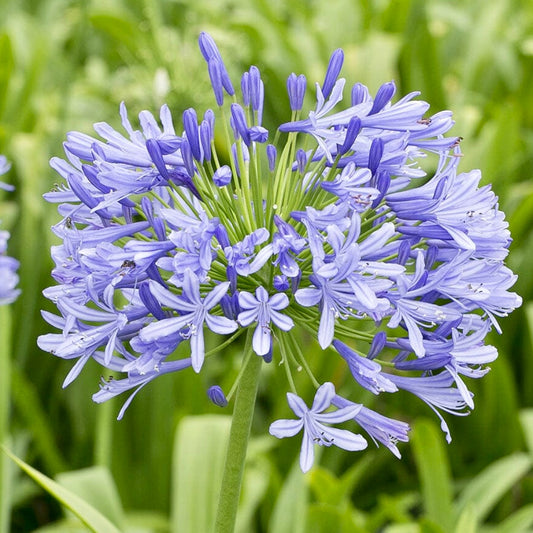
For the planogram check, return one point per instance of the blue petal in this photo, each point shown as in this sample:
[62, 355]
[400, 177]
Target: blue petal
[197, 349]
[247, 300]
[261, 294]
[164, 328]
[262, 340]
[245, 318]
[220, 324]
[191, 287]
[307, 452]
[285, 428]
[339, 415]
[283, 322]
[326, 329]
[165, 297]
[297, 405]
[345, 439]
[323, 397]
[76, 369]
[308, 296]
[216, 295]
[278, 301]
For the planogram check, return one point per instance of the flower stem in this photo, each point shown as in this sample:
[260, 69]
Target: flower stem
[238, 442]
[5, 382]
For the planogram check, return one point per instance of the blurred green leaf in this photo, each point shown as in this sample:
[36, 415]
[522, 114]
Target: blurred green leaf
[135, 522]
[521, 196]
[325, 518]
[526, 418]
[481, 40]
[197, 465]
[419, 64]
[353, 476]
[6, 68]
[434, 472]
[411, 527]
[498, 407]
[423, 526]
[520, 521]
[26, 400]
[290, 512]
[467, 521]
[330, 489]
[487, 488]
[257, 475]
[497, 148]
[96, 486]
[393, 509]
[63, 526]
[119, 27]
[325, 486]
[145, 522]
[31, 232]
[92, 518]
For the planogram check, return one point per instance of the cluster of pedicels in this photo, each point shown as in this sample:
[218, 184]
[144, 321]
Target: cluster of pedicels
[331, 231]
[8, 266]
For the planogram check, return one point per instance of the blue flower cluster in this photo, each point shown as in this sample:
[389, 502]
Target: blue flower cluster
[332, 231]
[8, 266]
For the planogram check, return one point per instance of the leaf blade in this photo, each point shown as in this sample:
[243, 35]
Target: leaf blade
[92, 518]
[486, 489]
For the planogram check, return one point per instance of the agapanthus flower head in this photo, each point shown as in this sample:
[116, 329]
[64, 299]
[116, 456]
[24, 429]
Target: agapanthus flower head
[334, 239]
[8, 266]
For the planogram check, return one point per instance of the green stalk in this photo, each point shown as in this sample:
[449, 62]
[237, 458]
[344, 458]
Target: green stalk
[238, 442]
[5, 378]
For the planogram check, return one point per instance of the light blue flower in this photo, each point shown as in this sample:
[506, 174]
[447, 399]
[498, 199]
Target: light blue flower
[263, 310]
[194, 313]
[312, 422]
[365, 371]
[8, 274]
[8, 266]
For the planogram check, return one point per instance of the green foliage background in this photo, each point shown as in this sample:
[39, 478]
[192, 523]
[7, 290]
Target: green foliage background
[65, 64]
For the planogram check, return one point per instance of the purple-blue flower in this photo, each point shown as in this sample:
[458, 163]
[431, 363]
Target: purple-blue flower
[380, 428]
[263, 310]
[8, 273]
[217, 396]
[365, 371]
[193, 312]
[437, 392]
[313, 421]
[8, 266]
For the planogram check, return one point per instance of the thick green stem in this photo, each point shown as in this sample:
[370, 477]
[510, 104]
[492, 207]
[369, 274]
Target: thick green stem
[5, 382]
[238, 442]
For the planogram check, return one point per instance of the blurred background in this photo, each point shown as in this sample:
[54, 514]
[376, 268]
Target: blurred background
[66, 64]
